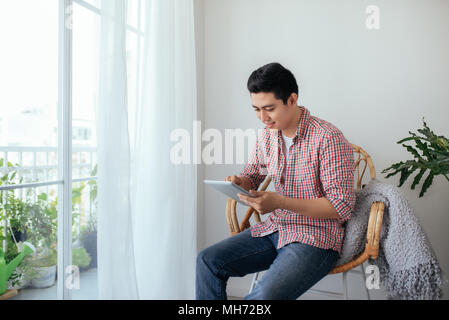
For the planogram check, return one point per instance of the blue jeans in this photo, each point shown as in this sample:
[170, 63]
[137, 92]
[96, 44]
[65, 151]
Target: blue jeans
[291, 270]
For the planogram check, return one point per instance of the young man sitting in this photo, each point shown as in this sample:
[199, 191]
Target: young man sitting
[311, 165]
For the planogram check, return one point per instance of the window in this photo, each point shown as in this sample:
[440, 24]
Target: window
[36, 118]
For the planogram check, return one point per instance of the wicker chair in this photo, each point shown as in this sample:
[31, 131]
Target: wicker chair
[372, 236]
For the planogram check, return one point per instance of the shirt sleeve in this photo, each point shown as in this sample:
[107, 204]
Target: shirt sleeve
[255, 168]
[337, 174]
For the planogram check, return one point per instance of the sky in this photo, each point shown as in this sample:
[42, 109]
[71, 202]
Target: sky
[29, 70]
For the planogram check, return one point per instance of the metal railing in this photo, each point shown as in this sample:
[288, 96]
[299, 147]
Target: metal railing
[38, 168]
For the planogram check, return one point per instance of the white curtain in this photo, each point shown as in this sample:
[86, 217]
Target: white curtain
[116, 272]
[147, 205]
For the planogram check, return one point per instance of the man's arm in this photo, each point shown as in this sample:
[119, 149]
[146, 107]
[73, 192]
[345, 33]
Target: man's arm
[316, 208]
[337, 179]
[337, 174]
[268, 201]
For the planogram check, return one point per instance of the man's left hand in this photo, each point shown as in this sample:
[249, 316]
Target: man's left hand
[263, 201]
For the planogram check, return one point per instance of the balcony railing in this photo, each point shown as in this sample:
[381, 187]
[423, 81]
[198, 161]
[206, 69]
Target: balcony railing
[38, 166]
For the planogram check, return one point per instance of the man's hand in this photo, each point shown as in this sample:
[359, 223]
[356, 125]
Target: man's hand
[240, 181]
[234, 179]
[264, 201]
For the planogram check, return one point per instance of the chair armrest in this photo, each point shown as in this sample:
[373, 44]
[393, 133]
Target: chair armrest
[372, 239]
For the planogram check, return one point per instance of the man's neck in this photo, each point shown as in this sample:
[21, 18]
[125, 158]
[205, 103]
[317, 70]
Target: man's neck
[290, 131]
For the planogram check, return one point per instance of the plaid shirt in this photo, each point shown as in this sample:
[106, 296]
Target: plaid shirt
[320, 164]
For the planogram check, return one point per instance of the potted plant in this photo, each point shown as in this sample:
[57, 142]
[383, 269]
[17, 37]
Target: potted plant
[41, 228]
[44, 264]
[36, 222]
[14, 211]
[80, 258]
[434, 158]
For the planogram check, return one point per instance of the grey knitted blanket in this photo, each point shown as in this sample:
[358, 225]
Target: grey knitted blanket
[407, 264]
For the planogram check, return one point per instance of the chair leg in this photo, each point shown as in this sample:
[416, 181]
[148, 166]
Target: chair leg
[345, 285]
[254, 282]
[364, 282]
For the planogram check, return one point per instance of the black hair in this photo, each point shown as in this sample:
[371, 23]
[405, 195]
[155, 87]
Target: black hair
[273, 77]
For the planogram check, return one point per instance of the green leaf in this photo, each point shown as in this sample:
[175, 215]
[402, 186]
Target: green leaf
[393, 167]
[418, 178]
[405, 173]
[405, 139]
[443, 142]
[426, 184]
[423, 147]
[42, 196]
[413, 151]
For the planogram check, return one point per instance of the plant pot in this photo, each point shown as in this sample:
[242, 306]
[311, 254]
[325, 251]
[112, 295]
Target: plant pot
[90, 244]
[19, 236]
[46, 277]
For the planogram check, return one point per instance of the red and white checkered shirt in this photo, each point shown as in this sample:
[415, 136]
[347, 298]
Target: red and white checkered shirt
[320, 164]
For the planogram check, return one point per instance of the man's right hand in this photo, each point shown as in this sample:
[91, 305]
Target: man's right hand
[240, 181]
[234, 179]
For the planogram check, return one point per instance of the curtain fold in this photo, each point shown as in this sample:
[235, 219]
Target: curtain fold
[147, 205]
[116, 271]
[165, 194]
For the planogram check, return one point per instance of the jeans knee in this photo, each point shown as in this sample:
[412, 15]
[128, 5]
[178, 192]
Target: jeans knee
[200, 258]
[204, 259]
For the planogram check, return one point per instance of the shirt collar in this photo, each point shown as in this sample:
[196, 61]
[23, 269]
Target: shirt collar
[302, 126]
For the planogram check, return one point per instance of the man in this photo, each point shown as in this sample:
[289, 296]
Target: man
[311, 165]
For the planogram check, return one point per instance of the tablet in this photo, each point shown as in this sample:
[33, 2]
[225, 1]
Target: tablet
[228, 188]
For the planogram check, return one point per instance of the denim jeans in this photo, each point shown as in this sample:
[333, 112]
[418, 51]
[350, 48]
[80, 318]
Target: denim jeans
[291, 270]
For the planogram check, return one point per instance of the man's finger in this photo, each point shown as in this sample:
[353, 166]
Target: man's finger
[256, 193]
[244, 198]
[236, 180]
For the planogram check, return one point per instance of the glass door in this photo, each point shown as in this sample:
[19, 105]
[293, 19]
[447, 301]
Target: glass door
[29, 146]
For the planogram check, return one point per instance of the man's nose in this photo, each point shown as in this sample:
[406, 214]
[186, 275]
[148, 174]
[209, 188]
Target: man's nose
[264, 116]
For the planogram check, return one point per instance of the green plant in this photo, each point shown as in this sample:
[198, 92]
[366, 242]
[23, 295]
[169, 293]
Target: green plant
[91, 224]
[435, 158]
[80, 257]
[38, 221]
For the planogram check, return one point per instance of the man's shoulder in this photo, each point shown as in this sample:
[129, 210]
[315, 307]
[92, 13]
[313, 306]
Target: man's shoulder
[322, 129]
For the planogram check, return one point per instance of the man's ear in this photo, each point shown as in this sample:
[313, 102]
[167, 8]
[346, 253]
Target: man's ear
[293, 99]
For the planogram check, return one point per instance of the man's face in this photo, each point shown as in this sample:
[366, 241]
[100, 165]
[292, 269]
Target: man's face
[273, 112]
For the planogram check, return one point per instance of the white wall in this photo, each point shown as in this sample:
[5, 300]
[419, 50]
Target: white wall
[375, 85]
